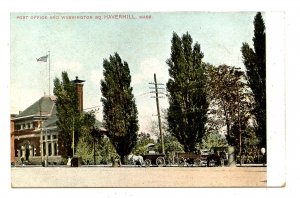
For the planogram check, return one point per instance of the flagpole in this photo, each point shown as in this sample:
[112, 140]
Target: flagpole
[49, 72]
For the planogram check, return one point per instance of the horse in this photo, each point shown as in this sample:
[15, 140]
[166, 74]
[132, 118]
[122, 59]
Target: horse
[136, 159]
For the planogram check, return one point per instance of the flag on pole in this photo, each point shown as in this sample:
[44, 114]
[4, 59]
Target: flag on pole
[42, 59]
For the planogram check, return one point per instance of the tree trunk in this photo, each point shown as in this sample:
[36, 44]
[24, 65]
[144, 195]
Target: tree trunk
[122, 159]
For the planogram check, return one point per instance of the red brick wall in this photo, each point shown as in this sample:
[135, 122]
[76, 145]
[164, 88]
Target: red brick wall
[31, 140]
[79, 89]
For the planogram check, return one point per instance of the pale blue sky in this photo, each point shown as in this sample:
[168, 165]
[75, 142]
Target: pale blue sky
[79, 47]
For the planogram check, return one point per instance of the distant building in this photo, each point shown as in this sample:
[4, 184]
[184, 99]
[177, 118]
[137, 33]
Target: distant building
[12, 139]
[32, 142]
[34, 133]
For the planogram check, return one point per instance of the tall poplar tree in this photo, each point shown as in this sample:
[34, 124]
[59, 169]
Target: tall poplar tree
[119, 108]
[67, 112]
[187, 113]
[255, 62]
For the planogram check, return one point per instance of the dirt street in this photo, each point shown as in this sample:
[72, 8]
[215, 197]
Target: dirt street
[139, 177]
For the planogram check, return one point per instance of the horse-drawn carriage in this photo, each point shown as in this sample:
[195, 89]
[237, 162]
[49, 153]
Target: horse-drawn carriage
[201, 158]
[149, 159]
[153, 158]
[193, 158]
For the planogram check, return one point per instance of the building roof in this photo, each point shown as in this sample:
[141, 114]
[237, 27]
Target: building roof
[51, 121]
[43, 107]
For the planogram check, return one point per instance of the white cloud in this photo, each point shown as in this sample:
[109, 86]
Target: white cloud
[95, 76]
[73, 68]
[140, 79]
[21, 98]
[147, 68]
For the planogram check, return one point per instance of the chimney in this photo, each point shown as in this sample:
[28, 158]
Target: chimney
[79, 90]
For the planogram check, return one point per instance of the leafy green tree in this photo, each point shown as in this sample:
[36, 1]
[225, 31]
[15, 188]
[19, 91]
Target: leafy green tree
[119, 108]
[231, 102]
[213, 139]
[255, 62]
[90, 135]
[187, 113]
[68, 113]
[104, 151]
[85, 150]
[171, 144]
[143, 139]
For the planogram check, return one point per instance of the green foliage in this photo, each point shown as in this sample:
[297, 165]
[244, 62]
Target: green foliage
[213, 139]
[143, 139]
[255, 62]
[250, 155]
[88, 122]
[90, 135]
[85, 151]
[187, 113]
[171, 144]
[68, 114]
[231, 102]
[119, 108]
[104, 151]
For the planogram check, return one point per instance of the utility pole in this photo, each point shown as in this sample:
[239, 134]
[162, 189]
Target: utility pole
[158, 112]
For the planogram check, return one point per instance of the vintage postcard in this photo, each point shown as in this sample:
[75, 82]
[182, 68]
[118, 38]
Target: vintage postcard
[143, 99]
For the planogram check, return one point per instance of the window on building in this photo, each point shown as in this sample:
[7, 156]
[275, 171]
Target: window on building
[48, 137]
[43, 137]
[49, 149]
[33, 153]
[54, 137]
[55, 149]
[16, 152]
[44, 148]
[18, 127]
[24, 126]
[28, 126]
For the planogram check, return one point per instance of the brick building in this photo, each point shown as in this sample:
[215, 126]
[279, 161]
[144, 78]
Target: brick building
[32, 141]
[34, 133]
